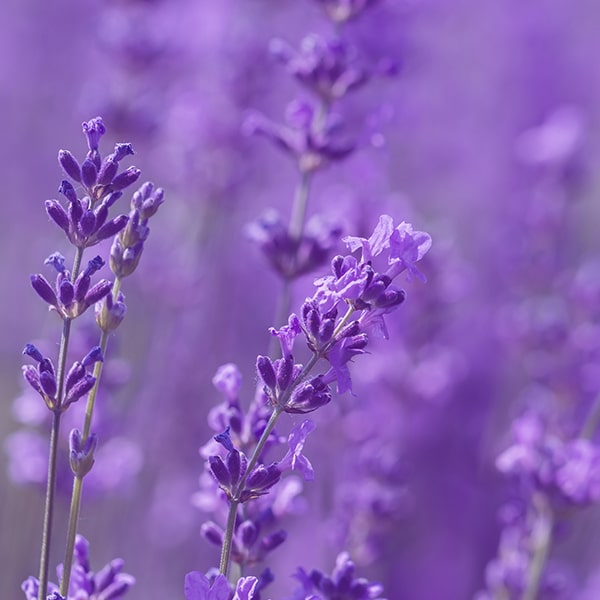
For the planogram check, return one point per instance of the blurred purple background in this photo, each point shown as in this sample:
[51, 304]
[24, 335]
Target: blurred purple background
[487, 138]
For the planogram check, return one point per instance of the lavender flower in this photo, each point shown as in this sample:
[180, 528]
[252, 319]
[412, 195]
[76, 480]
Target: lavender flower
[43, 380]
[342, 584]
[86, 584]
[198, 587]
[329, 68]
[291, 257]
[127, 247]
[312, 143]
[71, 299]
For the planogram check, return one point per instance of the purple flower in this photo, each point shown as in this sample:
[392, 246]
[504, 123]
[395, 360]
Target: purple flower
[340, 355]
[128, 245]
[406, 248]
[578, 477]
[291, 257]
[327, 67]
[341, 585]
[81, 455]
[109, 582]
[376, 243]
[94, 129]
[198, 587]
[228, 380]
[312, 143]
[294, 459]
[358, 281]
[110, 313]
[287, 335]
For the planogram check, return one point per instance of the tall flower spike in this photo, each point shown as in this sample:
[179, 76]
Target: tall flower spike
[127, 247]
[313, 144]
[328, 68]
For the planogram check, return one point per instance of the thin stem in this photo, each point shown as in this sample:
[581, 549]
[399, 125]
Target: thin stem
[295, 230]
[91, 400]
[299, 207]
[71, 533]
[235, 501]
[76, 494]
[49, 505]
[54, 434]
[542, 540]
[75, 506]
[591, 423]
[281, 315]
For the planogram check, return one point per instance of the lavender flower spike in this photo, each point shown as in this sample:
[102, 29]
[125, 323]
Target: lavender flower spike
[341, 584]
[81, 453]
[109, 583]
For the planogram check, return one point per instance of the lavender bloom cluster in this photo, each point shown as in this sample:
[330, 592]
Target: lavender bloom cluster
[448, 450]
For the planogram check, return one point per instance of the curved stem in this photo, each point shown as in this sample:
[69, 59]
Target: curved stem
[54, 434]
[76, 494]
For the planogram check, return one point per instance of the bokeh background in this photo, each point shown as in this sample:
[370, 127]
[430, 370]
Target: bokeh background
[487, 137]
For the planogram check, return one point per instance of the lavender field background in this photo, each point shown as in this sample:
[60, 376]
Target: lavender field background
[480, 125]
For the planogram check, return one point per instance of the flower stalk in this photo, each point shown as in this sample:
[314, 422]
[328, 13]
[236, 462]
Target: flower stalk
[53, 451]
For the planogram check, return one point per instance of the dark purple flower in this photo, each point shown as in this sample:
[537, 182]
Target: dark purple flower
[94, 129]
[42, 379]
[70, 165]
[109, 582]
[341, 585]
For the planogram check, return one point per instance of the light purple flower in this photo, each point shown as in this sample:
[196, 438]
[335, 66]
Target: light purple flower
[197, 587]
[294, 459]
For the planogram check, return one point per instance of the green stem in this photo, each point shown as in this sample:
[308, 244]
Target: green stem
[235, 501]
[281, 314]
[299, 207]
[49, 505]
[76, 494]
[53, 452]
[542, 540]
[591, 423]
[295, 230]
[71, 533]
